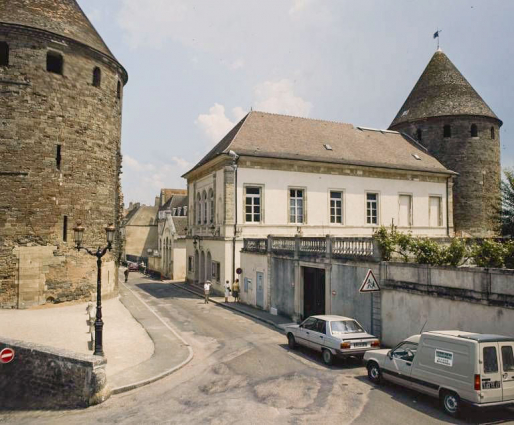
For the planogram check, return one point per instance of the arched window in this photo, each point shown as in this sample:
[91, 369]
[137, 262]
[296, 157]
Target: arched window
[54, 62]
[493, 135]
[198, 209]
[419, 134]
[4, 54]
[97, 77]
[474, 130]
[118, 90]
[447, 131]
[211, 206]
[204, 196]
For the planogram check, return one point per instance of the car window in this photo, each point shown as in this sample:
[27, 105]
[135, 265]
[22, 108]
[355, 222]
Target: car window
[507, 358]
[309, 323]
[490, 360]
[345, 326]
[405, 351]
[321, 326]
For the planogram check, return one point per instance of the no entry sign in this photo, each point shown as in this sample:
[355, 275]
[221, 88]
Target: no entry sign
[6, 355]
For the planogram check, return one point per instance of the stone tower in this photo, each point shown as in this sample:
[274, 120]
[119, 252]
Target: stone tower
[60, 135]
[447, 116]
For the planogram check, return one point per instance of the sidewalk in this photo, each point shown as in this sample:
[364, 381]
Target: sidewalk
[278, 322]
[139, 346]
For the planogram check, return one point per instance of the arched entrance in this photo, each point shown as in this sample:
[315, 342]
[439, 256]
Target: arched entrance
[208, 266]
[197, 267]
[202, 267]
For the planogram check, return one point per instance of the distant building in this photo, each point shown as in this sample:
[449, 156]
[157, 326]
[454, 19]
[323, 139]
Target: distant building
[447, 116]
[60, 138]
[284, 176]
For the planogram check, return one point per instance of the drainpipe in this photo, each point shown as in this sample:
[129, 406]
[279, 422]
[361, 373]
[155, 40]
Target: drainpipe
[234, 157]
[447, 209]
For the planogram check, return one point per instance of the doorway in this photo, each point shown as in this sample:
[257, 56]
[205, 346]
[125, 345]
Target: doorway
[313, 291]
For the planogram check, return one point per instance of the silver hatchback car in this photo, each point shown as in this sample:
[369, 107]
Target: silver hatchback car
[332, 335]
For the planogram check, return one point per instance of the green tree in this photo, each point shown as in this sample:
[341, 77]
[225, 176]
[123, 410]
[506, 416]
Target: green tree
[507, 211]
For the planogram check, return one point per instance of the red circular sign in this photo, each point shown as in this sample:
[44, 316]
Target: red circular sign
[239, 270]
[6, 355]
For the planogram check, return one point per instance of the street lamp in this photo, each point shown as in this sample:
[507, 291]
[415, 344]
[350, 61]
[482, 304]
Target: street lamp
[100, 252]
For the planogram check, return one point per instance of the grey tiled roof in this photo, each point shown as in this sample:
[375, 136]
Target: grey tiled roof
[441, 91]
[63, 17]
[180, 224]
[261, 134]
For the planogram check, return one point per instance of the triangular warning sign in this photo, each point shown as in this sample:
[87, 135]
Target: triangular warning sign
[370, 283]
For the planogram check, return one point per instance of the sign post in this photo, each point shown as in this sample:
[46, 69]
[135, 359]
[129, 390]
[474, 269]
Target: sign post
[6, 355]
[370, 284]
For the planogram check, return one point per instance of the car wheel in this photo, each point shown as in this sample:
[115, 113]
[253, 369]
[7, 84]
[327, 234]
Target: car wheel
[374, 373]
[291, 342]
[328, 357]
[451, 403]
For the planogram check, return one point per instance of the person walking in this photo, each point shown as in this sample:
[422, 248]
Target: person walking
[126, 273]
[235, 290]
[207, 290]
[227, 291]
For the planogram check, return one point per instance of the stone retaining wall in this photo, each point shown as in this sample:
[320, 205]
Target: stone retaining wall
[40, 377]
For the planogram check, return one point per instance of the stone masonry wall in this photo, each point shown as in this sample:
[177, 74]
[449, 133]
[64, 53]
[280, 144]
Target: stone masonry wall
[476, 191]
[47, 378]
[40, 110]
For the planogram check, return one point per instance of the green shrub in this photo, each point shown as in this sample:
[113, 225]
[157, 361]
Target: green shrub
[427, 251]
[454, 254]
[509, 255]
[488, 254]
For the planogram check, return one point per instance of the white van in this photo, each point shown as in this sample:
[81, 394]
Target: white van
[457, 367]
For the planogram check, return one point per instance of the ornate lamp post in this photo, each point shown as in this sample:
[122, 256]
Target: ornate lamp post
[100, 252]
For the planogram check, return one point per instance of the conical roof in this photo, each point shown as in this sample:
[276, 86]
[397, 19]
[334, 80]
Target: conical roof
[62, 17]
[441, 91]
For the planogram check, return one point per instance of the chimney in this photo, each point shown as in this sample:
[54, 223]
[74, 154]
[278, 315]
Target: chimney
[157, 201]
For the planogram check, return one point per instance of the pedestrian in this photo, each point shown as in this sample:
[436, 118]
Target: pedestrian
[206, 290]
[235, 290]
[126, 273]
[227, 291]
[144, 268]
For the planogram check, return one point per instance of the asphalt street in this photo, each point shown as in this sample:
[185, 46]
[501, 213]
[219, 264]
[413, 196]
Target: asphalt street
[243, 372]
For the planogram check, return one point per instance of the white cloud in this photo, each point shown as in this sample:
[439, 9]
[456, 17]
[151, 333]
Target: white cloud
[238, 64]
[279, 97]
[299, 6]
[216, 124]
[134, 164]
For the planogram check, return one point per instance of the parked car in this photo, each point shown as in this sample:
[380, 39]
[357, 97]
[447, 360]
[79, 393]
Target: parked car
[333, 336]
[457, 367]
[133, 267]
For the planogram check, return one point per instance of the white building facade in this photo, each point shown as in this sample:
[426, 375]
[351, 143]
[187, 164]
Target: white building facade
[286, 176]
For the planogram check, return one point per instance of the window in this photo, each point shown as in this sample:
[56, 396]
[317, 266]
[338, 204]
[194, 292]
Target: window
[185, 211]
[211, 206]
[336, 207]
[490, 360]
[58, 157]
[372, 208]
[309, 323]
[252, 204]
[118, 90]
[198, 209]
[435, 217]
[4, 54]
[405, 351]
[507, 358]
[345, 326]
[419, 134]
[204, 207]
[493, 135]
[216, 270]
[65, 229]
[54, 62]
[447, 131]
[190, 263]
[296, 206]
[97, 77]
[405, 210]
[321, 326]
[474, 130]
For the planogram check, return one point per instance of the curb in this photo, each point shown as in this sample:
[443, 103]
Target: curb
[229, 307]
[144, 382]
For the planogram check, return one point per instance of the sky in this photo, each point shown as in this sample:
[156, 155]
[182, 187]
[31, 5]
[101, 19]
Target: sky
[196, 67]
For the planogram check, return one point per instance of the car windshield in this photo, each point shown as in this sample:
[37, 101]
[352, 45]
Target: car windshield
[345, 326]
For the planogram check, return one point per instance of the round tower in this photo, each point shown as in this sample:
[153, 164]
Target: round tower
[60, 140]
[446, 115]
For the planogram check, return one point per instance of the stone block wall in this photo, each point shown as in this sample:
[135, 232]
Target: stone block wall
[47, 378]
[39, 111]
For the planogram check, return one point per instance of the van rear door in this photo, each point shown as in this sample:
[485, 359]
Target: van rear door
[507, 367]
[491, 378]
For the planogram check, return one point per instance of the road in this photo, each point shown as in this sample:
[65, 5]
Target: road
[244, 373]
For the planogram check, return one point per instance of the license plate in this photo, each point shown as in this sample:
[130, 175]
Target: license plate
[489, 385]
[360, 344]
